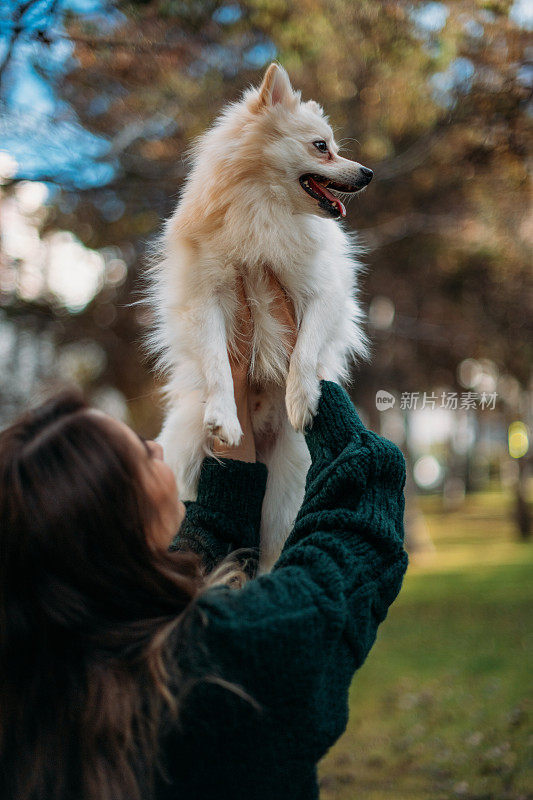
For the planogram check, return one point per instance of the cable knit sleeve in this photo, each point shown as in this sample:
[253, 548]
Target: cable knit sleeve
[226, 514]
[292, 639]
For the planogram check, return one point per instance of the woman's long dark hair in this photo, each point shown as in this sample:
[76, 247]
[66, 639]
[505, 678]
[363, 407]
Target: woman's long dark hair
[87, 606]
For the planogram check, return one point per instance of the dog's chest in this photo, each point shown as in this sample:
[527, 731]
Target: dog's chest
[270, 360]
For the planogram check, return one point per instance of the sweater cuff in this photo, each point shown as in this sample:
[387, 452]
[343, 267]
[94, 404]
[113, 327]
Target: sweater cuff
[234, 488]
[336, 423]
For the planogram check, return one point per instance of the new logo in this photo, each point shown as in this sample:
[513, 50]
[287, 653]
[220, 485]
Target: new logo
[384, 400]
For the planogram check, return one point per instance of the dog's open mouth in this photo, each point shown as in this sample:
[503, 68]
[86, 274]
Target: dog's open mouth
[319, 188]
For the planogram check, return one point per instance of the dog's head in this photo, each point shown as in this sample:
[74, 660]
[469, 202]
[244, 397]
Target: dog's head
[296, 149]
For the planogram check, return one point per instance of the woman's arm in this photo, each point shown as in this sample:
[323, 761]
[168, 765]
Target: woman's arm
[226, 514]
[293, 639]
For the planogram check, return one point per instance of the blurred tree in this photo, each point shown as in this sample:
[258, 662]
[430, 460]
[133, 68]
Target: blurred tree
[435, 97]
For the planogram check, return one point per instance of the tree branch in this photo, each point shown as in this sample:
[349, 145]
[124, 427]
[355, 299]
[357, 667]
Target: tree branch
[16, 31]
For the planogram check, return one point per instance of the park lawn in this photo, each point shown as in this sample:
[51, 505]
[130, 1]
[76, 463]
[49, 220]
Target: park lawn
[439, 709]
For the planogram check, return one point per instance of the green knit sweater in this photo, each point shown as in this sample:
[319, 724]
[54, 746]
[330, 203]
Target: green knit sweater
[290, 640]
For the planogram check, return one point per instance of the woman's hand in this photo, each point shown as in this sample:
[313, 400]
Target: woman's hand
[282, 309]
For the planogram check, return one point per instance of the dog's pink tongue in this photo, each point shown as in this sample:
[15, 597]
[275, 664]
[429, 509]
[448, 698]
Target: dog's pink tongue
[331, 197]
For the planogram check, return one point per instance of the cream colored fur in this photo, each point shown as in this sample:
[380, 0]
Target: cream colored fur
[243, 210]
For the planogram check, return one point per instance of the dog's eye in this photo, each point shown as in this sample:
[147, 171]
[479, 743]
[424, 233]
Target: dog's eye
[321, 145]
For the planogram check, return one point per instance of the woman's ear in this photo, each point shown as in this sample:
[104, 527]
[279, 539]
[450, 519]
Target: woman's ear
[276, 88]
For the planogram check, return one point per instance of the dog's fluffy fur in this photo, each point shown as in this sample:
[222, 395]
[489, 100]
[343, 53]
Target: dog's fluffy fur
[243, 210]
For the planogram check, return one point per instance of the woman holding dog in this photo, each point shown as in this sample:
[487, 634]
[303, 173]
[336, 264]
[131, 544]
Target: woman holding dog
[132, 671]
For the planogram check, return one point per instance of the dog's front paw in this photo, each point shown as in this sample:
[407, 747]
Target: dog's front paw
[301, 399]
[223, 423]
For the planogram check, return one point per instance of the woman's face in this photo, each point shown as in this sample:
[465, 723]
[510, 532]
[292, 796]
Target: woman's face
[159, 483]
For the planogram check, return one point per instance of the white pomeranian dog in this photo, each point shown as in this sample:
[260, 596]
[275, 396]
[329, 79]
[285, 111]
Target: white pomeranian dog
[259, 197]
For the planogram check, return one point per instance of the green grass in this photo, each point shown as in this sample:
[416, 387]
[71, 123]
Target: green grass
[439, 710]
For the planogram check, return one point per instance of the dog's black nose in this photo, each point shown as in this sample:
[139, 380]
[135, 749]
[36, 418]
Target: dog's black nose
[367, 174]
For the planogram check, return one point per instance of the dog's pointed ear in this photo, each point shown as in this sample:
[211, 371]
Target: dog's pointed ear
[276, 88]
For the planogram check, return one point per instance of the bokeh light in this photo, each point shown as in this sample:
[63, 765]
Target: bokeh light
[518, 439]
[427, 472]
